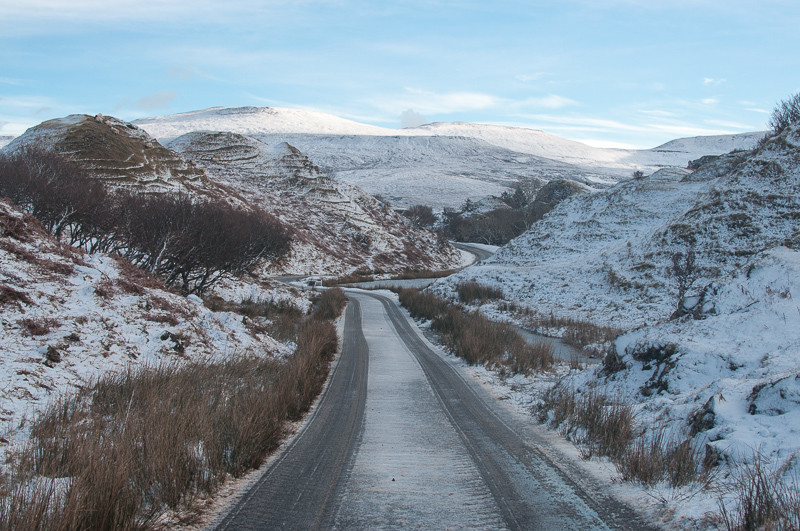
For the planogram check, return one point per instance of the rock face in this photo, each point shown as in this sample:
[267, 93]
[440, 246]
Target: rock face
[552, 194]
[337, 227]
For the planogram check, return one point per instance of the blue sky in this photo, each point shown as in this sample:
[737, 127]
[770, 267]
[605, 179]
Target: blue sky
[608, 72]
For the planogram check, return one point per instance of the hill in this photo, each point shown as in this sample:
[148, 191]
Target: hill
[439, 164]
[336, 227]
[70, 316]
[699, 270]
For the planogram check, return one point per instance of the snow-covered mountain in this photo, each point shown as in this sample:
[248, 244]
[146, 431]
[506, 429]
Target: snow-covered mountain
[439, 164]
[337, 228]
[5, 140]
[607, 257]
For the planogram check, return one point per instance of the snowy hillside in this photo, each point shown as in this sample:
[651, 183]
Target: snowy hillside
[253, 121]
[440, 164]
[5, 140]
[337, 227]
[438, 171]
[719, 366]
[68, 317]
[569, 261]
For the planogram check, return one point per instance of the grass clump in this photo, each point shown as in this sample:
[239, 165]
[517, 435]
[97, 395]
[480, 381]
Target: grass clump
[469, 292]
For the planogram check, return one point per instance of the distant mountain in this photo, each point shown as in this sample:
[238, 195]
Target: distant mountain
[5, 140]
[439, 164]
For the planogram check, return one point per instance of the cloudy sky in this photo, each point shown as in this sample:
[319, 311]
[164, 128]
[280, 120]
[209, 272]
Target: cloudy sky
[607, 72]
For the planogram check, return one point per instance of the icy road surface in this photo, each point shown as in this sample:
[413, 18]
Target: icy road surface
[402, 439]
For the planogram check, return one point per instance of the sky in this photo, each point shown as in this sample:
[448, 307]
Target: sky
[611, 73]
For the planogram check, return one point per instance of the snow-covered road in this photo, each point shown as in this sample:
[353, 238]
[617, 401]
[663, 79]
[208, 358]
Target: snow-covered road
[402, 438]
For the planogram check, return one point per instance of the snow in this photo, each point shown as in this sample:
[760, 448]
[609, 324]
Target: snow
[337, 227]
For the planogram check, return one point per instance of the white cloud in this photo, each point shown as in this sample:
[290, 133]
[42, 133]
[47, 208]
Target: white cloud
[713, 82]
[732, 125]
[709, 101]
[553, 101]
[155, 101]
[411, 118]
[427, 102]
[657, 112]
[758, 110]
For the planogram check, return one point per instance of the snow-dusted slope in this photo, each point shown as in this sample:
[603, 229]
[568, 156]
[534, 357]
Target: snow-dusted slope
[255, 120]
[337, 227]
[439, 171]
[616, 161]
[68, 317]
[607, 257]
[116, 151]
[5, 140]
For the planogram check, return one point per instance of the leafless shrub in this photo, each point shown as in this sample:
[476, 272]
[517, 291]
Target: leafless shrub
[420, 216]
[41, 326]
[190, 245]
[785, 113]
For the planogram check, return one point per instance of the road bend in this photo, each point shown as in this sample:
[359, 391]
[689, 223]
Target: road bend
[401, 439]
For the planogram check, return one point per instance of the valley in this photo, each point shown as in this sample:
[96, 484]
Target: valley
[679, 281]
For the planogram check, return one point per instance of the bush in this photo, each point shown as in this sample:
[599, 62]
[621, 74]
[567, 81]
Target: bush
[764, 499]
[469, 292]
[785, 113]
[330, 304]
[190, 245]
[475, 338]
[603, 425]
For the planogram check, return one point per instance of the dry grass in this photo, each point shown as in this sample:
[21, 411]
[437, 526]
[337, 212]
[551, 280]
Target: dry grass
[475, 338]
[576, 332]
[603, 426]
[120, 452]
[659, 457]
[469, 292]
[11, 295]
[40, 327]
[765, 499]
